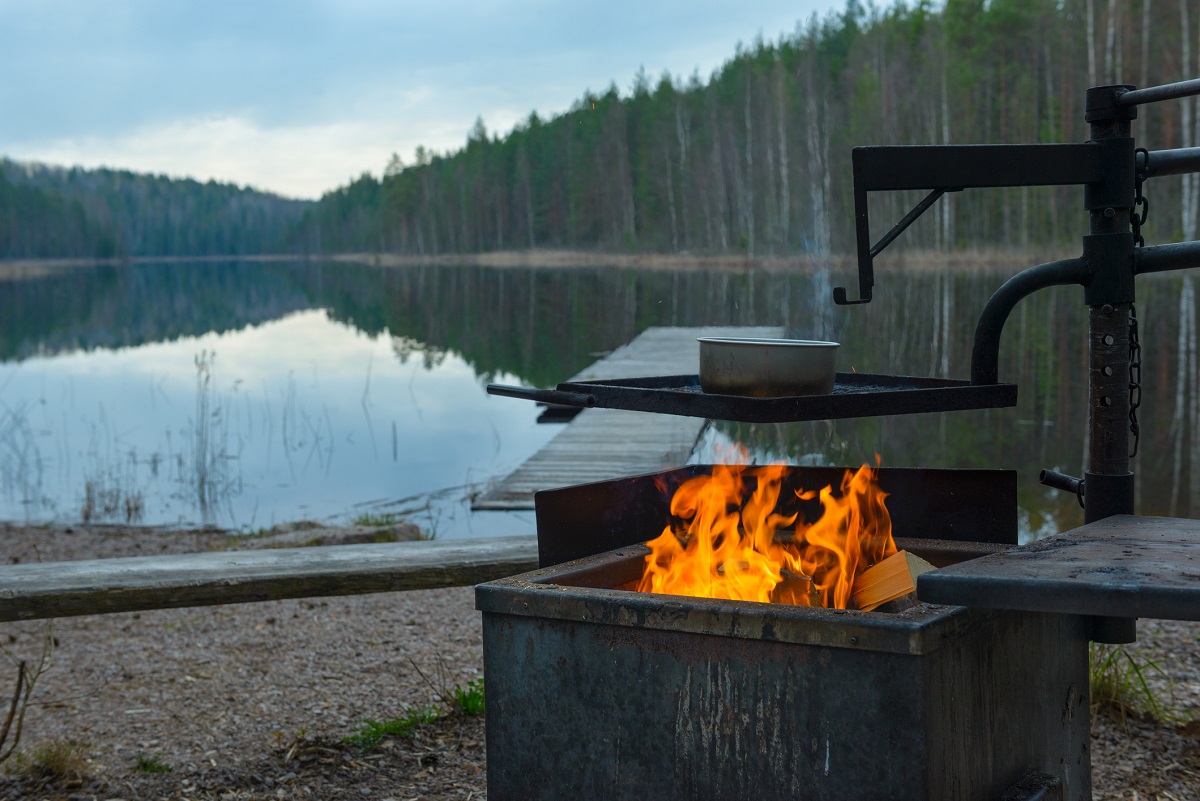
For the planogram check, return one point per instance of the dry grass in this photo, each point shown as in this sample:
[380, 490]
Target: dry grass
[105, 499]
[54, 760]
[1122, 687]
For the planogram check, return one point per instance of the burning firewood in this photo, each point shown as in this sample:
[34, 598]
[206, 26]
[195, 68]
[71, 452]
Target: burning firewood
[795, 589]
[724, 541]
[892, 578]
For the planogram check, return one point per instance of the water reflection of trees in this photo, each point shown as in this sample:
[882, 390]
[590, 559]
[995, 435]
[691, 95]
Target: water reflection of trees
[123, 306]
[545, 325]
[406, 347]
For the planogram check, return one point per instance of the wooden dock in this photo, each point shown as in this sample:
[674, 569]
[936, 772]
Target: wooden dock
[600, 444]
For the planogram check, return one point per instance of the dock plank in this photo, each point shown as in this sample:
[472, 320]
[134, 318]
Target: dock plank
[601, 444]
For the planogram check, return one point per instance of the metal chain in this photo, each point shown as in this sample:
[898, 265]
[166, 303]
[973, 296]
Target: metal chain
[1138, 220]
[1135, 378]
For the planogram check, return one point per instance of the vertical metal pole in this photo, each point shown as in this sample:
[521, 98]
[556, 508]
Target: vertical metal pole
[1108, 249]
[1109, 293]
[1108, 480]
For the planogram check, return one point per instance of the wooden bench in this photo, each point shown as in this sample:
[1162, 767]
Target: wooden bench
[103, 586]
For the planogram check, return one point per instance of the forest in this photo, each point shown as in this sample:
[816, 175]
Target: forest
[52, 212]
[754, 159]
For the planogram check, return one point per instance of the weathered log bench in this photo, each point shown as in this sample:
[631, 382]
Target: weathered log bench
[102, 586]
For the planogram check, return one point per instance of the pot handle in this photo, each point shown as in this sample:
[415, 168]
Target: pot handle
[551, 396]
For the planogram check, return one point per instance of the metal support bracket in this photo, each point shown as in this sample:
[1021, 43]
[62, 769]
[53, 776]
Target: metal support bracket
[1111, 630]
[952, 168]
[866, 271]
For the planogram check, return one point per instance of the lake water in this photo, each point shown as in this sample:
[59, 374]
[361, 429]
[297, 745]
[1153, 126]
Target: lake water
[246, 394]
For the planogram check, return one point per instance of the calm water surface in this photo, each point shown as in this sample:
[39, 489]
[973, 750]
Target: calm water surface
[247, 394]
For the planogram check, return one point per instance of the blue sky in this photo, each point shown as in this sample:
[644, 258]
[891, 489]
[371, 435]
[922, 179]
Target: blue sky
[297, 97]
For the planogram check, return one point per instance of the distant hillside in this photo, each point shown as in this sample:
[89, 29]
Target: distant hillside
[756, 159]
[49, 212]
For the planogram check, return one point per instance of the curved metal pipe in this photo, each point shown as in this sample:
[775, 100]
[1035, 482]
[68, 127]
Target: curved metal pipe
[985, 357]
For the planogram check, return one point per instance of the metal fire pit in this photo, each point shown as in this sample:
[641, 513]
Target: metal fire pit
[597, 692]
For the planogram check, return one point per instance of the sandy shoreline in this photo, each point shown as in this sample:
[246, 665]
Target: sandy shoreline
[916, 260]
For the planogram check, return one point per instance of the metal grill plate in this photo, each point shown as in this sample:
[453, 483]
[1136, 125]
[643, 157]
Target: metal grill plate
[854, 395]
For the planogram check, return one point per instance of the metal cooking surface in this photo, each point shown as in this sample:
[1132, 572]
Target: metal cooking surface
[854, 395]
[1122, 566]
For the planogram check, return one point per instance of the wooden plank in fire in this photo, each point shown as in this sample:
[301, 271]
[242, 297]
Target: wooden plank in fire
[601, 444]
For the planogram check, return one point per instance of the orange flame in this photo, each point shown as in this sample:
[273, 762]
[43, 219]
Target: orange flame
[733, 543]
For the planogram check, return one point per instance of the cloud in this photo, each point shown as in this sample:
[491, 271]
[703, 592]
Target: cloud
[296, 96]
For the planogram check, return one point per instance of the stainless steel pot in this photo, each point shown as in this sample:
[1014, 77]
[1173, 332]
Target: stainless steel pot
[766, 368]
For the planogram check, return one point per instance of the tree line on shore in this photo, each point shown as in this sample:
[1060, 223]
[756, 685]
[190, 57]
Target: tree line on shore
[756, 159]
[753, 160]
[49, 212]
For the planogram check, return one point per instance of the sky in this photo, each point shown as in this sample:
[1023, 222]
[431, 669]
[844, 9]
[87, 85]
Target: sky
[300, 96]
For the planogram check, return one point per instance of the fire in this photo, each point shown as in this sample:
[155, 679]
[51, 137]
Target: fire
[734, 543]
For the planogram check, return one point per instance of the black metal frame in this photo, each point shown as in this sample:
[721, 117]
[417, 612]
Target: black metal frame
[953, 168]
[1106, 166]
[1110, 169]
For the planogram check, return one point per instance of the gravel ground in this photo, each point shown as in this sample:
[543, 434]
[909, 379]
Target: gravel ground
[248, 701]
[1133, 758]
[252, 701]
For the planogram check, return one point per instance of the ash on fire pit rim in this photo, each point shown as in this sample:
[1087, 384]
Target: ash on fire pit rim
[583, 590]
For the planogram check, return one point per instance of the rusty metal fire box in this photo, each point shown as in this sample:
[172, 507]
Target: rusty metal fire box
[596, 692]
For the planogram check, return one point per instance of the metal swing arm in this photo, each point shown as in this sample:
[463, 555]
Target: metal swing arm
[1107, 166]
[952, 168]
